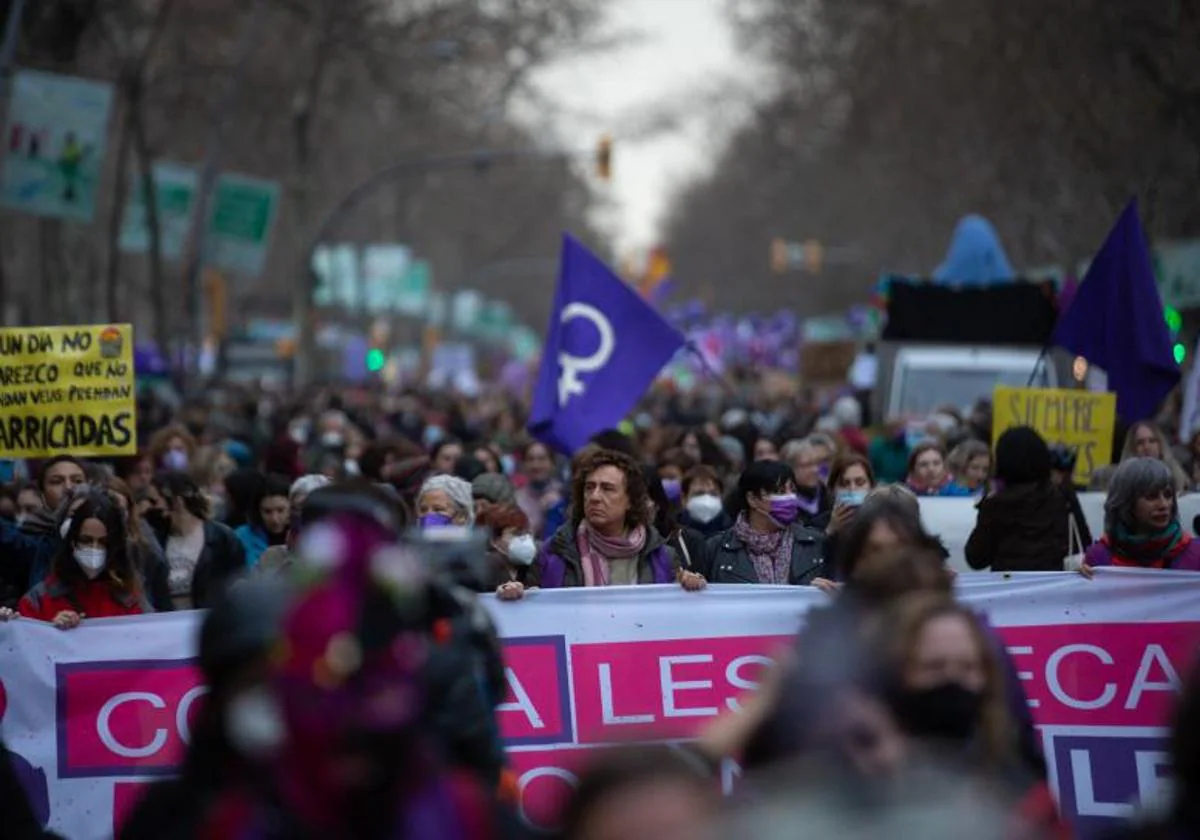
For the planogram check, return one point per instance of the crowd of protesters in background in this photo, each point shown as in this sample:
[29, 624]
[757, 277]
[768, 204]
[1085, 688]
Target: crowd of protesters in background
[895, 694]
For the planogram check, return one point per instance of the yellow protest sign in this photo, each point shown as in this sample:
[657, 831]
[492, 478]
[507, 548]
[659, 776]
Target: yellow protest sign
[67, 391]
[1083, 419]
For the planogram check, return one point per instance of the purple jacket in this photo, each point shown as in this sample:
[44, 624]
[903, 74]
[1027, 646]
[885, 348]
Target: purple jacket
[1188, 561]
[558, 564]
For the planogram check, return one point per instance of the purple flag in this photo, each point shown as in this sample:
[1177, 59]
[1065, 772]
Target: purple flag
[603, 346]
[1116, 322]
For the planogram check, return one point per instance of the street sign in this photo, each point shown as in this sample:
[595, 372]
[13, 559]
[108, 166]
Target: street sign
[57, 127]
[243, 211]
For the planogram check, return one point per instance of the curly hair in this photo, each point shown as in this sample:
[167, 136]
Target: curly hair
[635, 486]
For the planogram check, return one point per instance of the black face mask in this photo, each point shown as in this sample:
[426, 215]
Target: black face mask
[947, 711]
[157, 519]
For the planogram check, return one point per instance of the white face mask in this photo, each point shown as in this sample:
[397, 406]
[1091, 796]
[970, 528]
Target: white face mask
[254, 723]
[704, 508]
[91, 560]
[522, 550]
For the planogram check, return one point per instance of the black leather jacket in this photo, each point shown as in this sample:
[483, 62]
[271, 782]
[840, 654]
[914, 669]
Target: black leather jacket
[728, 561]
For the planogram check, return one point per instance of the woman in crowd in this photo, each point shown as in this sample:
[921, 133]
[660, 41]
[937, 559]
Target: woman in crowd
[511, 548]
[172, 448]
[489, 455]
[542, 491]
[702, 448]
[810, 462]
[703, 513]
[850, 480]
[444, 454]
[490, 489]
[665, 521]
[949, 693]
[764, 449]
[1022, 526]
[302, 488]
[445, 500]
[673, 465]
[144, 548]
[1141, 522]
[643, 793]
[92, 575]
[970, 463]
[888, 521]
[269, 516]
[202, 555]
[136, 470]
[767, 544]
[29, 502]
[1145, 440]
[610, 539]
[927, 474]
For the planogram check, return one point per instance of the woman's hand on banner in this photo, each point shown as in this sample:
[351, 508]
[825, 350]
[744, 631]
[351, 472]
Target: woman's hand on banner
[8, 615]
[1087, 571]
[68, 620]
[829, 587]
[692, 581]
[511, 591]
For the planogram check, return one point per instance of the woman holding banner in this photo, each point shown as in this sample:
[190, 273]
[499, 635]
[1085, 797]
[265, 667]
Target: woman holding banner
[92, 575]
[1141, 522]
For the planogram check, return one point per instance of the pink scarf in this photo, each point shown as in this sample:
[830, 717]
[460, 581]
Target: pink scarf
[595, 550]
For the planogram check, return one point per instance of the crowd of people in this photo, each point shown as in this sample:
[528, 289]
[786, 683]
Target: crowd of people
[295, 524]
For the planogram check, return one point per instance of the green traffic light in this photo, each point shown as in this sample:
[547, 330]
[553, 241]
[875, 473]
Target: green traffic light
[375, 360]
[1173, 318]
[1180, 354]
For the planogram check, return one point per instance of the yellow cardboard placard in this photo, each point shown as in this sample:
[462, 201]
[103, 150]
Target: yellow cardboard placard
[1083, 419]
[67, 391]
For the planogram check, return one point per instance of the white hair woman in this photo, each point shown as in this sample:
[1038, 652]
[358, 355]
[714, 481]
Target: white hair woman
[445, 500]
[1141, 522]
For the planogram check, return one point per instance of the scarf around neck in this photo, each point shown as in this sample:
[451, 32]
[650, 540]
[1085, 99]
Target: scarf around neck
[770, 551]
[930, 490]
[595, 550]
[1157, 550]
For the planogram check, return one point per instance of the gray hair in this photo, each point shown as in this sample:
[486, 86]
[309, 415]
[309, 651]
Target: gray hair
[796, 447]
[897, 493]
[306, 484]
[1135, 479]
[457, 491]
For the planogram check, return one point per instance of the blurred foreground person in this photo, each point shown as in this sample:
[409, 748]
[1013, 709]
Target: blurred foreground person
[643, 793]
[238, 726]
[357, 758]
[947, 690]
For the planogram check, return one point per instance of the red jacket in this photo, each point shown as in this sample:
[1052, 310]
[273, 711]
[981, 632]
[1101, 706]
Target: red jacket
[93, 598]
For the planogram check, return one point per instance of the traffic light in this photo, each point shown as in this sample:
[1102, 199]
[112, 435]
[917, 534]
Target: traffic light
[604, 158]
[1174, 325]
[376, 360]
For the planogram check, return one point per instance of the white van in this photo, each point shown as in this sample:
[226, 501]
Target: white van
[927, 377]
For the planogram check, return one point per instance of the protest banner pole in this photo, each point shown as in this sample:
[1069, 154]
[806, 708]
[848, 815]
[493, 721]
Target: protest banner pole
[712, 373]
[480, 160]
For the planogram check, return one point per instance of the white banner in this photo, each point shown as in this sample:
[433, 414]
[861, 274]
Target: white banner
[95, 713]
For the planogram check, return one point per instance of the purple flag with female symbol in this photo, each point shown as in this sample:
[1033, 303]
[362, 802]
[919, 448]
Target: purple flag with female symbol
[604, 345]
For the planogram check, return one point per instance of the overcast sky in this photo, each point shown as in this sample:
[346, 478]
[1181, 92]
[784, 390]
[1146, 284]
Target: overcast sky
[679, 55]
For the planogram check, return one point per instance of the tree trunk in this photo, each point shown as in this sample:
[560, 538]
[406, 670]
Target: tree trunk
[141, 154]
[116, 212]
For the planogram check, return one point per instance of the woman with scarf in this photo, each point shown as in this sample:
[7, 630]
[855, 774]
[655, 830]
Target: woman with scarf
[767, 543]
[927, 473]
[1141, 522]
[810, 461]
[610, 539]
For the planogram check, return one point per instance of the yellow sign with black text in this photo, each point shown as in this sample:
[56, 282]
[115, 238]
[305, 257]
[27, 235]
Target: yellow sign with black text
[1083, 419]
[67, 391]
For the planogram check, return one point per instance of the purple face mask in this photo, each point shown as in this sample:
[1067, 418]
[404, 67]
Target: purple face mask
[823, 471]
[435, 520]
[673, 488]
[785, 508]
